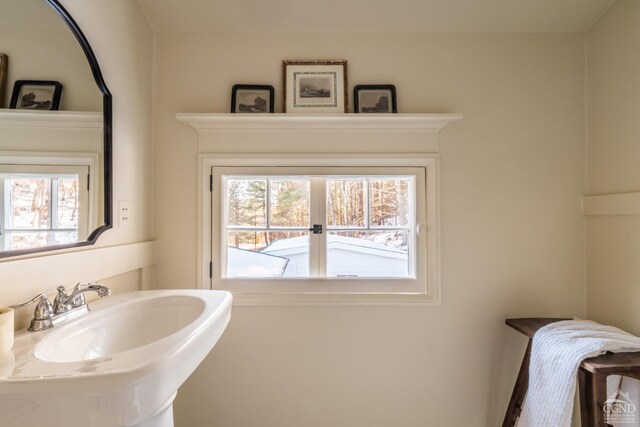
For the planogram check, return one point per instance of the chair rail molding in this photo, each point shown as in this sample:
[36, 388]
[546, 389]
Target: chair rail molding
[23, 277]
[611, 204]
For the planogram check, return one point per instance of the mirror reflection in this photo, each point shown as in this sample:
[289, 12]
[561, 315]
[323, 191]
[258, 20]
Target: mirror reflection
[51, 132]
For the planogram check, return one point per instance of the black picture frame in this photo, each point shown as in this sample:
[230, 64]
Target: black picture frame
[249, 87]
[55, 100]
[4, 69]
[359, 108]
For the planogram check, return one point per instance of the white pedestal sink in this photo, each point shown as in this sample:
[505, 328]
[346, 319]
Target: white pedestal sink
[119, 365]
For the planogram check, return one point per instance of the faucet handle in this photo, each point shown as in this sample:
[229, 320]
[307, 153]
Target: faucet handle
[61, 301]
[102, 291]
[44, 308]
[23, 304]
[42, 314]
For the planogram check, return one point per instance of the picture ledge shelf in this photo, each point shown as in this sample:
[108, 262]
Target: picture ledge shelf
[65, 119]
[208, 121]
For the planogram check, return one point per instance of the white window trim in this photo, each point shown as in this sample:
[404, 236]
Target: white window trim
[431, 293]
[55, 171]
[415, 284]
[91, 160]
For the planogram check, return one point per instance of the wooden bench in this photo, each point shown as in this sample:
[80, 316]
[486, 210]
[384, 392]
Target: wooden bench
[592, 376]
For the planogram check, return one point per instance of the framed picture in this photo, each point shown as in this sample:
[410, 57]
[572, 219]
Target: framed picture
[36, 95]
[375, 99]
[4, 67]
[252, 99]
[315, 86]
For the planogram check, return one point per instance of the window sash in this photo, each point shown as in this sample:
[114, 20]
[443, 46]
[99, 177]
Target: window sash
[319, 282]
[318, 258]
[53, 173]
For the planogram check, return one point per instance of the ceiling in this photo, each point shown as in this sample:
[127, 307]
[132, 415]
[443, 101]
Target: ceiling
[537, 16]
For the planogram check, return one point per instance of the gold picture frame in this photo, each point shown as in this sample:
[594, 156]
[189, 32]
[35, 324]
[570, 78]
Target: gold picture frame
[315, 86]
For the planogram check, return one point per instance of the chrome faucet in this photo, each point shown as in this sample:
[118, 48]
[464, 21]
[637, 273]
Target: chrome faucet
[64, 303]
[43, 314]
[65, 306]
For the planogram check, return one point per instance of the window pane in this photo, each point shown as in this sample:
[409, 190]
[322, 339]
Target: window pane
[247, 202]
[289, 203]
[267, 254]
[33, 239]
[61, 237]
[68, 203]
[367, 254]
[25, 240]
[389, 202]
[346, 203]
[29, 203]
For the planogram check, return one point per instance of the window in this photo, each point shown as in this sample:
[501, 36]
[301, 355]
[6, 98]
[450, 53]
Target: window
[267, 222]
[322, 229]
[363, 226]
[42, 205]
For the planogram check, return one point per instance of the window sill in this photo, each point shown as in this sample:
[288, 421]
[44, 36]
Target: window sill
[284, 299]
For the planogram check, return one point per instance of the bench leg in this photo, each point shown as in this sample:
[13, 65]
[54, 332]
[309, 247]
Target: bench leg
[593, 395]
[519, 391]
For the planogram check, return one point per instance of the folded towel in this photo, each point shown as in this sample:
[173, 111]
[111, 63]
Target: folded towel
[556, 354]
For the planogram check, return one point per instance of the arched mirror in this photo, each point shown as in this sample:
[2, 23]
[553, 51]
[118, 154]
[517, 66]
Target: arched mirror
[55, 132]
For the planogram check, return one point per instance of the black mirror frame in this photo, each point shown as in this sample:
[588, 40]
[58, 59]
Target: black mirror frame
[107, 140]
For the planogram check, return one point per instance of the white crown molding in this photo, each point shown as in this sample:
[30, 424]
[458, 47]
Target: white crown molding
[51, 119]
[206, 121]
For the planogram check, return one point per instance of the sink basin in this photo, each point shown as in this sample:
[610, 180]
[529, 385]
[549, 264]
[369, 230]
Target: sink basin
[121, 328]
[119, 365]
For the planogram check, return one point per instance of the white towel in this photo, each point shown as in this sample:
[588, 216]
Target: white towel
[556, 354]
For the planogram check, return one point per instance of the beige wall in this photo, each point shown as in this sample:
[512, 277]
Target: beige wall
[37, 53]
[122, 39]
[512, 173]
[613, 147]
[123, 43]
